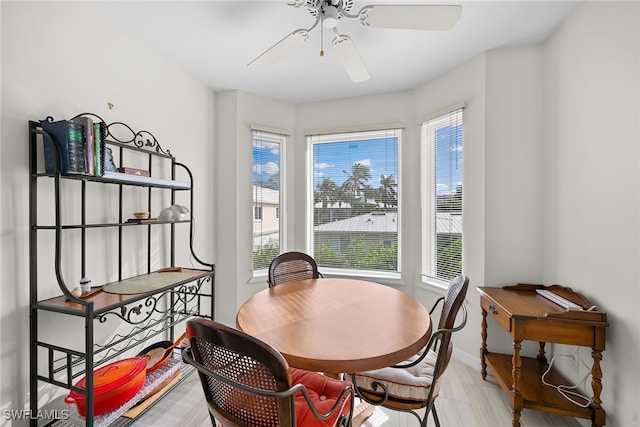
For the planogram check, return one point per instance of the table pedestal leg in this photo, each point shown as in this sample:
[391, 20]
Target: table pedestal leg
[515, 389]
[483, 348]
[541, 354]
[596, 386]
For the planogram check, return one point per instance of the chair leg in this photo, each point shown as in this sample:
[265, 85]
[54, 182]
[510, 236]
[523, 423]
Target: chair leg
[343, 421]
[435, 416]
[214, 422]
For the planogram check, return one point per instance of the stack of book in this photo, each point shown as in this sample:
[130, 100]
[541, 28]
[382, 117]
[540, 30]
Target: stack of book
[80, 143]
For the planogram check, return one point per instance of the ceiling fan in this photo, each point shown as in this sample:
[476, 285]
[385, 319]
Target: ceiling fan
[329, 12]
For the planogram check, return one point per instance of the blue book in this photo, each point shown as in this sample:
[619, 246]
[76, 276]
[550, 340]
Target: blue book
[67, 136]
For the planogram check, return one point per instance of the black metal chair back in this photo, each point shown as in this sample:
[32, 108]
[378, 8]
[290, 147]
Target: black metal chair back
[248, 383]
[290, 266]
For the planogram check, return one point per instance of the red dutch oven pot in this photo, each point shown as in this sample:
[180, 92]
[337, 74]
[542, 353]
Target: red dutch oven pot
[113, 385]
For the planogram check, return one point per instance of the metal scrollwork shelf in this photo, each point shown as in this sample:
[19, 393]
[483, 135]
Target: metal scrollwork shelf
[113, 324]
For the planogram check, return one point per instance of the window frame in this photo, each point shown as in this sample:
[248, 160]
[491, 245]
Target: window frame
[429, 126]
[279, 137]
[333, 136]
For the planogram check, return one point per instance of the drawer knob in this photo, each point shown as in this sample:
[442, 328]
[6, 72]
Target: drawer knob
[492, 309]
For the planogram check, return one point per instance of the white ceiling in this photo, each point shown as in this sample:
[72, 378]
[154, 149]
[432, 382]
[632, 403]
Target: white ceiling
[215, 40]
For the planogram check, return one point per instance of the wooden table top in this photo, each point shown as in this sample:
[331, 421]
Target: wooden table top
[337, 325]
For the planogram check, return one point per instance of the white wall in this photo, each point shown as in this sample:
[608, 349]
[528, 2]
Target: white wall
[513, 160]
[49, 68]
[592, 182]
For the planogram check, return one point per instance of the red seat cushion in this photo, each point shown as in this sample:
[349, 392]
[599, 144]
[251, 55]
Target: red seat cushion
[324, 393]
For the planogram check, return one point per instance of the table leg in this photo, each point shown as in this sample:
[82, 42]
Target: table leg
[596, 386]
[483, 348]
[516, 373]
[541, 353]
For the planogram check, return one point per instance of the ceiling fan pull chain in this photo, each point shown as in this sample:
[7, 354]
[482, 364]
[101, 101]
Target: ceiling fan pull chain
[322, 36]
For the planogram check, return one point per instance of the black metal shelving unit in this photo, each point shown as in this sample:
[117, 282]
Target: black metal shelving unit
[147, 314]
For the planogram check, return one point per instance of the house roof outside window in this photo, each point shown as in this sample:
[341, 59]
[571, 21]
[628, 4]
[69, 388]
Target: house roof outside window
[266, 195]
[387, 222]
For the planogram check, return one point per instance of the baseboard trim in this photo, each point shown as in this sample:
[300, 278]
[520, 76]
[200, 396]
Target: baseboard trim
[467, 358]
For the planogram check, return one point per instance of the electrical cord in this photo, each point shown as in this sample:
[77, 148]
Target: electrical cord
[566, 390]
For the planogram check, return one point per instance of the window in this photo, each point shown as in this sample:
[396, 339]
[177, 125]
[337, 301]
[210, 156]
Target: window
[355, 200]
[441, 163]
[268, 196]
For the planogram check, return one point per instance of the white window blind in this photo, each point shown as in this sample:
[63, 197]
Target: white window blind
[441, 185]
[355, 205]
[268, 196]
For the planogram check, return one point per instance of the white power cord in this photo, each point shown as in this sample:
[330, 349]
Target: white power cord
[565, 390]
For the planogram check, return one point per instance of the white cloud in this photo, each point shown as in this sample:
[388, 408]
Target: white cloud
[364, 162]
[269, 168]
[321, 166]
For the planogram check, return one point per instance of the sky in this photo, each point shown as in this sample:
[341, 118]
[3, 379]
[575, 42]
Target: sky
[266, 160]
[448, 159]
[330, 159]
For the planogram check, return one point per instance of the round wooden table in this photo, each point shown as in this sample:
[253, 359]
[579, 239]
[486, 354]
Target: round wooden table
[337, 325]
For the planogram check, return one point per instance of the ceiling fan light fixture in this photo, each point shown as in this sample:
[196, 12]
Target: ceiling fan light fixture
[329, 17]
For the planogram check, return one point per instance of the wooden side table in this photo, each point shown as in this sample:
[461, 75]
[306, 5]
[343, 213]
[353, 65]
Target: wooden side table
[525, 315]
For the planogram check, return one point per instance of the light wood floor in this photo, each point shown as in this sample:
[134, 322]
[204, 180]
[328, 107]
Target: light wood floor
[465, 400]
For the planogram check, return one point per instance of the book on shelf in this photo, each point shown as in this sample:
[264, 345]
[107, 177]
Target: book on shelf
[67, 136]
[134, 171]
[98, 131]
[142, 220]
[87, 144]
[81, 144]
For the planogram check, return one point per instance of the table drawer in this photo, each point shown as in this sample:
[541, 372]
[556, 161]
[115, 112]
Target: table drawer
[496, 312]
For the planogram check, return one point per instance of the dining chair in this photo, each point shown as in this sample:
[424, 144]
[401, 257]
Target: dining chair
[246, 382]
[414, 383]
[289, 266]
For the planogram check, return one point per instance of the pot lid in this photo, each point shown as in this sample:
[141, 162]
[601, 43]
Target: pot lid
[113, 375]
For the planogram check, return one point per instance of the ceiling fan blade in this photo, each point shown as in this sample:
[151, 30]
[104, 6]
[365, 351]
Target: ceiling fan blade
[350, 58]
[279, 50]
[411, 17]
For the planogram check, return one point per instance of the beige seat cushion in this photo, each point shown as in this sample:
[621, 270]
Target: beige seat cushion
[411, 383]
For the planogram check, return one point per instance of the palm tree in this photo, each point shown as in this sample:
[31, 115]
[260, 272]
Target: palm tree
[357, 180]
[388, 193]
[326, 193]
